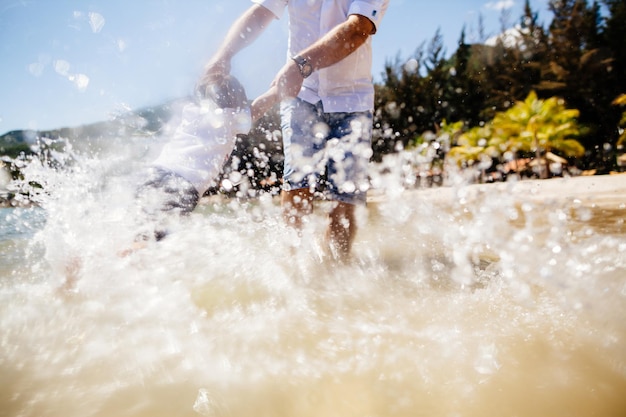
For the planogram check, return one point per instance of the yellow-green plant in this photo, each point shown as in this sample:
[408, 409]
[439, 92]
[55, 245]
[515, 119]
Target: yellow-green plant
[540, 126]
[621, 101]
[471, 145]
[533, 125]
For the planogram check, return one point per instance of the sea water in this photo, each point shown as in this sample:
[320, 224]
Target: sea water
[459, 301]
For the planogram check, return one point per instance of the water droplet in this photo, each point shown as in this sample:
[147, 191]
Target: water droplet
[80, 80]
[36, 69]
[62, 67]
[96, 21]
[205, 405]
[411, 65]
[487, 361]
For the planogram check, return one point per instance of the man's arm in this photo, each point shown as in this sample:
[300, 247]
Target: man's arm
[337, 44]
[340, 42]
[242, 33]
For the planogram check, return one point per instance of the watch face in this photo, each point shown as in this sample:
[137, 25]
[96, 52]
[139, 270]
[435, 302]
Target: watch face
[306, 69]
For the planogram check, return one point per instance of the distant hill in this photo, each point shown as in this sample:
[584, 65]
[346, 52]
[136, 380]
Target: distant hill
[145, 121]
[18, 141]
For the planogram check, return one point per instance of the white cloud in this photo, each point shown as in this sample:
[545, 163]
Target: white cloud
[500, 5]
[510, 38]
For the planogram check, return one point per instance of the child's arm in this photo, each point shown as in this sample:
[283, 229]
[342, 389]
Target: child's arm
[263, 103]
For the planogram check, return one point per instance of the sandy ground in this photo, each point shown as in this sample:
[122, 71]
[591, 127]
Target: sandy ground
[599, 190]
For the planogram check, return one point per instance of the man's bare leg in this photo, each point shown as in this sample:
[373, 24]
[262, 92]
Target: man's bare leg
[341, 230]
[296, 205]
[71, 271]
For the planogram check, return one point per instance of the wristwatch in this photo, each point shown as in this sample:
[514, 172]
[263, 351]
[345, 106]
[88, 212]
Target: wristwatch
[305, 66]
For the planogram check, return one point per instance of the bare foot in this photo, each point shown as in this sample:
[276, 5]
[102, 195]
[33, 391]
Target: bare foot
[138, 245]
[72, 271]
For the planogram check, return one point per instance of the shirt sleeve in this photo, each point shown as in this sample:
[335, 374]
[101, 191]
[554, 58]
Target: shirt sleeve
[372, 9]
[277, 7]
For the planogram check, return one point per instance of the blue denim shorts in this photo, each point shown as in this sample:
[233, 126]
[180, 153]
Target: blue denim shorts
[165, 191]
[327, 152]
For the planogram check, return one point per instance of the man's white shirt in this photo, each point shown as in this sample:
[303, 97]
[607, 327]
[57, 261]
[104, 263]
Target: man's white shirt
[346, 86]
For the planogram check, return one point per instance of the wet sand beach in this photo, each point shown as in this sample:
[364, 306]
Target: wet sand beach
[601, 190]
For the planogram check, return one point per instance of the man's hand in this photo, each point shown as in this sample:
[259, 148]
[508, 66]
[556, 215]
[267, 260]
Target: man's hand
[288, 81]
[241, 34]
[215, 72]
[286, 84]
[264, 103]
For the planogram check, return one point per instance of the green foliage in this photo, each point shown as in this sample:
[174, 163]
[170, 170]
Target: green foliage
[531, 126]
[12, 151]
[536, 125]
[578, 56]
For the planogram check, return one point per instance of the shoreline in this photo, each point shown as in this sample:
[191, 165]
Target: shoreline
[600, 190]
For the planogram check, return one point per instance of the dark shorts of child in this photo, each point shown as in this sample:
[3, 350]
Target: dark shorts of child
[165, 192]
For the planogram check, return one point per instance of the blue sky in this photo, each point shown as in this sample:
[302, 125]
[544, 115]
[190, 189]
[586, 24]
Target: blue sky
[68, 62]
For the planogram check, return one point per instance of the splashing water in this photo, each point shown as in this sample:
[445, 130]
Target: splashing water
[460, 301]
